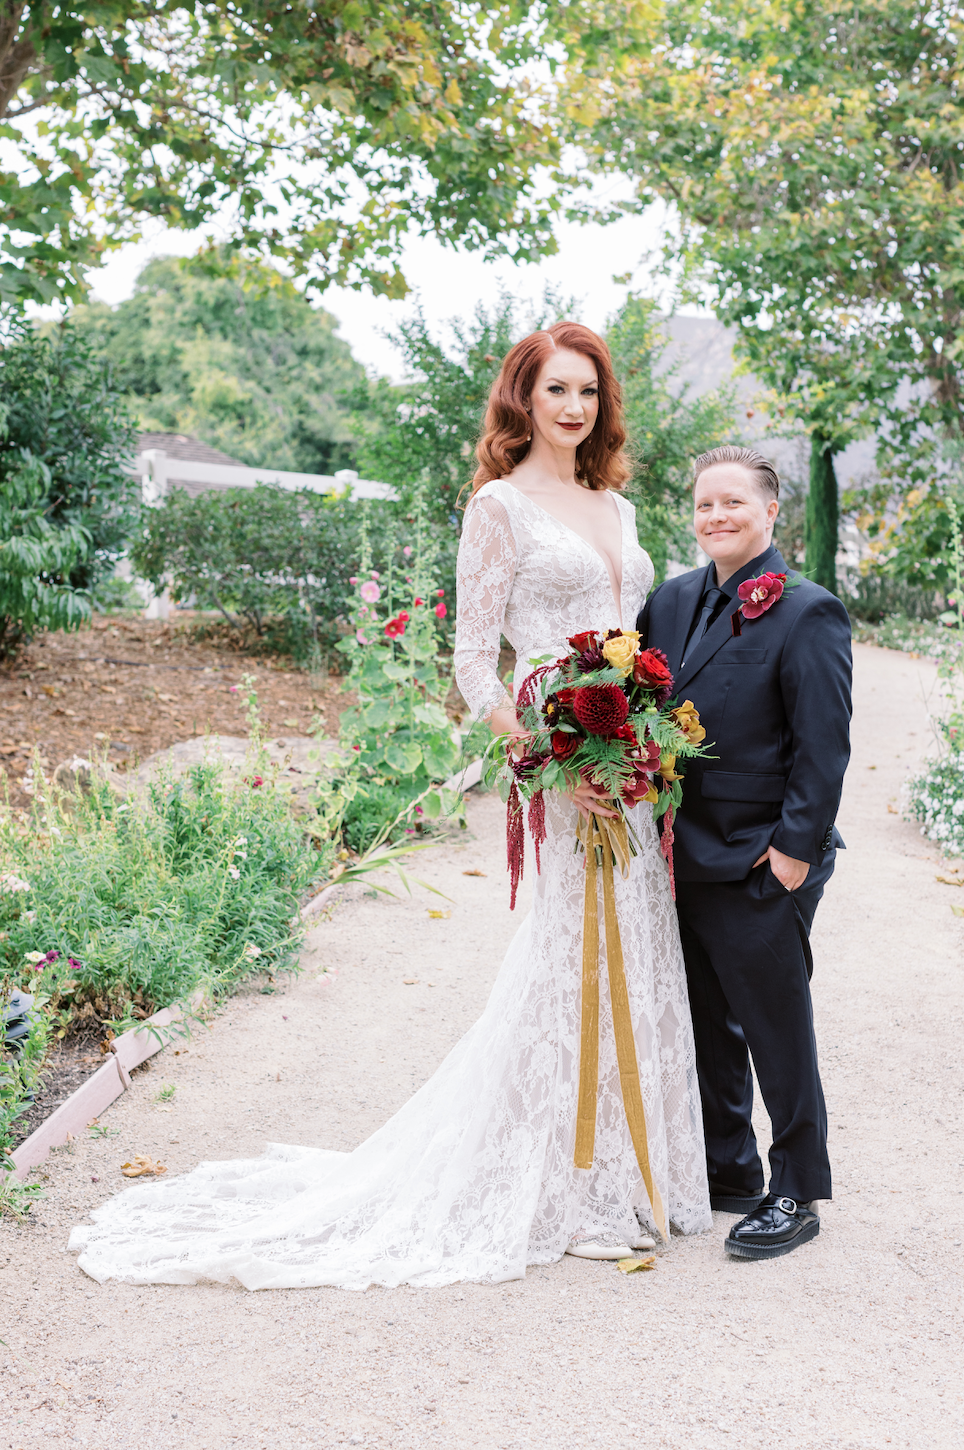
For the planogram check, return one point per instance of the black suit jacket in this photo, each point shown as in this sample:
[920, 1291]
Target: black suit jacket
[776, 705]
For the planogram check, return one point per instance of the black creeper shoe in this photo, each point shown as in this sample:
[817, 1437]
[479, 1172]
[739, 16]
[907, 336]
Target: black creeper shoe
[777, 1227]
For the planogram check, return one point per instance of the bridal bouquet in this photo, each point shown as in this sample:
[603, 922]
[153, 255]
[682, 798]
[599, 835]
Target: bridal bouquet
[599, 714]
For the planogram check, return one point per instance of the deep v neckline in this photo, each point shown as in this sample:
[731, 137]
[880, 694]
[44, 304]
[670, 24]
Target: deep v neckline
[617, 598]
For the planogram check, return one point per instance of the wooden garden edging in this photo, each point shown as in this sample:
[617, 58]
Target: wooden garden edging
[99, 1091]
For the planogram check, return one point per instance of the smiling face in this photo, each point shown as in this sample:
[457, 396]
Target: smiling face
[565, 399]
[733, 517]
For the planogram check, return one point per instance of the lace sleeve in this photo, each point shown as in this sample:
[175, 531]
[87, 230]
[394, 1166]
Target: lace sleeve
[486, 569]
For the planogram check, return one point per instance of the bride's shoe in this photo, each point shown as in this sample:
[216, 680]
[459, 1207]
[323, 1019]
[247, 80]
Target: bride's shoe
[598, 1246]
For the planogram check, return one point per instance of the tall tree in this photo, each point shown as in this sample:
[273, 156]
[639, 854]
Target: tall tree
[813, 155]
[319, 134]
[241, 360]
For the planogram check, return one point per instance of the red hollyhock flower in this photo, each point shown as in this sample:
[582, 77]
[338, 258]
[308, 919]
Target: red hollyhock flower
[564, 744]
[581, 642]
[441, 611]
[600, 709]
[760, 594]
[395, 628]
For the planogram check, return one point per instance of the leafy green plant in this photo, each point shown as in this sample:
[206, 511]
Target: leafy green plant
[18, 1199]
[110, 910]
[399, 732]
[936, 796]
[65, 502]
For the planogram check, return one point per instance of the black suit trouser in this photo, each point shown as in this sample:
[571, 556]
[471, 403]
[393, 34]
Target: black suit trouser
[748, 966]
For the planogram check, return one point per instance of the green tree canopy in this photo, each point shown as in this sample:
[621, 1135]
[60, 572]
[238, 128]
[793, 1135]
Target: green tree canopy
[813, 154]
[242, 361]
[319, 134]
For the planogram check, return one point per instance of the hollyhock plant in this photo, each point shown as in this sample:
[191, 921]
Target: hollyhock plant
[370, 592]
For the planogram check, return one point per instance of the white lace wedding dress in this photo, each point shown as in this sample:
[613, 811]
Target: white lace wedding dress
[474, 1178]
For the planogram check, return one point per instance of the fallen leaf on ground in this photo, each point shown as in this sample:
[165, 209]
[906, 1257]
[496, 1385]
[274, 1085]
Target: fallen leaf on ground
[142, 1167]
[893, 811]
[631, 1266]
[410, 981]
[473, 873]
[958, 910]
[951, 880]
[439, 915]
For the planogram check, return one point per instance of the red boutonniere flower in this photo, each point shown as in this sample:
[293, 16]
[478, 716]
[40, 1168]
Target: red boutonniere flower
[759, 595]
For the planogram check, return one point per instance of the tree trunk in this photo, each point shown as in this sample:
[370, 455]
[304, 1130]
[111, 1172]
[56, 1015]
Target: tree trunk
[823, 514]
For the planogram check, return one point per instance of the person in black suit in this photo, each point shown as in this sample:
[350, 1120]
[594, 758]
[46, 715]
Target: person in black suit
[755, 841]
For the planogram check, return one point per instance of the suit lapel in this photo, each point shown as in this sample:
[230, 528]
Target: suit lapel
[688, 598]
[722, 629]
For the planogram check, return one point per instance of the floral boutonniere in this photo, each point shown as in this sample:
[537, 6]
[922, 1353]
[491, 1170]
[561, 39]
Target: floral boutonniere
[759, 595]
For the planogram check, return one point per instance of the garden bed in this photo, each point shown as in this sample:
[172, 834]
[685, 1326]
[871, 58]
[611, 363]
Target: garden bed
[68, 1066]
[134, 687]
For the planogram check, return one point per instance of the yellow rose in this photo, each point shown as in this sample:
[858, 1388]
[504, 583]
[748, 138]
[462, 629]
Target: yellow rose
[621, 651]
[687, 718]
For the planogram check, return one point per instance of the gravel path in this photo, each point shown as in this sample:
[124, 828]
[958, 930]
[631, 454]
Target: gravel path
[854, 1341]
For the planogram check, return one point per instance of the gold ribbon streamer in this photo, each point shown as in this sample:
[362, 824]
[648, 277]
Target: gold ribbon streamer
[606, 841]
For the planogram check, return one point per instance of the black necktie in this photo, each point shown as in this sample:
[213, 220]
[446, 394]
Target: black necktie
[713, 600]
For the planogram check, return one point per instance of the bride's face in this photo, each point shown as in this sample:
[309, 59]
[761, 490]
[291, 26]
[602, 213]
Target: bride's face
[565, 399]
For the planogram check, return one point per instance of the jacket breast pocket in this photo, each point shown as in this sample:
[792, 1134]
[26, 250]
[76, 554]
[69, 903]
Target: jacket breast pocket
[733, 785]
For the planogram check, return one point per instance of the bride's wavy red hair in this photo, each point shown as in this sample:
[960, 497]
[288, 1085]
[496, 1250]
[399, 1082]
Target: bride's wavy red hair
[600, 460]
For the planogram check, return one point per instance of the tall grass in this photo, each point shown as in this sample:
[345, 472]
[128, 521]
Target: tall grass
[111, 909]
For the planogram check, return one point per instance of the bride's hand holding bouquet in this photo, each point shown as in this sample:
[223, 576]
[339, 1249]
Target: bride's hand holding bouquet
[597, 725]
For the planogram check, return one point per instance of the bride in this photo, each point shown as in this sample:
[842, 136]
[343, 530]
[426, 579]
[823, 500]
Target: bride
[474, 1178]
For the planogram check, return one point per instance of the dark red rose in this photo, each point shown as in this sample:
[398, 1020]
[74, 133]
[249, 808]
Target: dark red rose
[651, 670]
[564, 744]
[581, 642]
[600, 709]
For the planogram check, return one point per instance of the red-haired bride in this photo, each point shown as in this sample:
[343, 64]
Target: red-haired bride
[474, 1178]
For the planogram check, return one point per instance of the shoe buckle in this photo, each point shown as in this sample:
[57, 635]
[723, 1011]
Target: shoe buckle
[787, 1205]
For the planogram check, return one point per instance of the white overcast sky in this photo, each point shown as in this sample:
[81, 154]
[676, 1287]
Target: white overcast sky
[449, 283]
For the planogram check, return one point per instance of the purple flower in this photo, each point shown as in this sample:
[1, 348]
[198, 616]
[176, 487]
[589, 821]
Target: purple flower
[73, 964]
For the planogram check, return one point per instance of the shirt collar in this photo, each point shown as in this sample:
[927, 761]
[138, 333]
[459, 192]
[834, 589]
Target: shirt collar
[749, 571]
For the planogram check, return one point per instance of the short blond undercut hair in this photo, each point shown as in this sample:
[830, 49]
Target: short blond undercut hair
[761, 468]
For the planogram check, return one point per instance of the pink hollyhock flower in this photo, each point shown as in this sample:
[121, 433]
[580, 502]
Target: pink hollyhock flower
[759, 595]
[361, 637]
[440, 611]
[370, 591]
[353, 578]
[404, 617]
[440, 594]
[375, 574]
[418, 602]
[407, 551]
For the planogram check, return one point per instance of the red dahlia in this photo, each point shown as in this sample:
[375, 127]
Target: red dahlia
[600, 709]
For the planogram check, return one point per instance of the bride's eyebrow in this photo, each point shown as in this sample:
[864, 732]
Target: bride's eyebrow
[565, 382]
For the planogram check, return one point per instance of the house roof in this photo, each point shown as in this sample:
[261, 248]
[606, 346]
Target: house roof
[180, 445]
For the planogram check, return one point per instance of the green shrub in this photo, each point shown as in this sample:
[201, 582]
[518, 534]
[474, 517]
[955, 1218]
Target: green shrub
[935, 797]
[64, 436]
[110, 910]
[874, 597]
[263, 557]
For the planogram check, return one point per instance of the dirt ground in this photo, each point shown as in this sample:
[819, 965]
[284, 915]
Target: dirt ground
[133, 686]
[852, 1343]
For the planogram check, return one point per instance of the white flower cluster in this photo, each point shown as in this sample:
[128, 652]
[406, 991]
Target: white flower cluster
[936, 799]
[10, 882]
